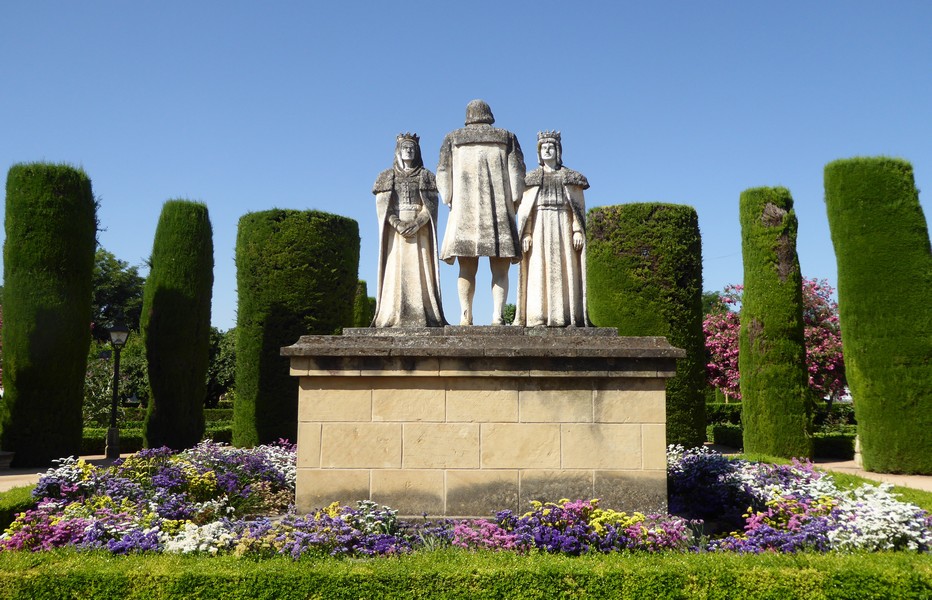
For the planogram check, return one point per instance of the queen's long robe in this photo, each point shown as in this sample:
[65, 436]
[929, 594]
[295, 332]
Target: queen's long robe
[408, 287]
[552, 284]
[480, 176]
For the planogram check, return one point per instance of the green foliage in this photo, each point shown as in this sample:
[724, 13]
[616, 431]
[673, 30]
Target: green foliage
[776, 402]
[221, 367]
[463, 574]
[884, 260]
[833, 445]
[726, 434]
[508, 313]
[98, 390]
[48, 257]
[723, 412]
[118, 291]
[176, 324]
[296, 274]
[363, 306]
[13, 501]
[644, 276]
[98, 381]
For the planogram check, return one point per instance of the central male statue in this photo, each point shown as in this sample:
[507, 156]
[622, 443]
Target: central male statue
[481, 178]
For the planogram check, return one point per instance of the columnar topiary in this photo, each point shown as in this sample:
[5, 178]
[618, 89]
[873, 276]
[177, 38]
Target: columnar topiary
[48, 259]
[776, 402]
[363, 306]
[882, 247]
[645, 278]
[296, 274]
[176, 324]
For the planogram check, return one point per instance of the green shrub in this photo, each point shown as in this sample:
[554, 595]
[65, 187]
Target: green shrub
[644, 276]
[176, 324]
[296, 274]
[221, 369]
[218, 414]
[461, 574]
[363, 306]
[726, 434]
[95, 440]
[48, 258]
[723, 412]
[775, 398]
[14, 501]
[884, 288]
[833, 445]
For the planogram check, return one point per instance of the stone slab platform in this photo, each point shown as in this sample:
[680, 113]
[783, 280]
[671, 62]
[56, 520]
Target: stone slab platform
[465, 421]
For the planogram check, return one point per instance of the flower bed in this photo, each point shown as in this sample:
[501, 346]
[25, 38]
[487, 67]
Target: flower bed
[216, 499]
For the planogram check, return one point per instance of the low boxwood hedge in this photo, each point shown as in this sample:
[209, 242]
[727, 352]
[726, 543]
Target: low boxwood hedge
[13, 502]
[95, 438]
[833, 445]
[462, 574]
[726, 434]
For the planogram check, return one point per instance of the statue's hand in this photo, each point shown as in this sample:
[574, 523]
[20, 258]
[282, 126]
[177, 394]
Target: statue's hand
[409, 228]
[526, 243]
[577, 241]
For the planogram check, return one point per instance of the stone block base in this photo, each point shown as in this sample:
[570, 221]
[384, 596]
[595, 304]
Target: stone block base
[463, 422]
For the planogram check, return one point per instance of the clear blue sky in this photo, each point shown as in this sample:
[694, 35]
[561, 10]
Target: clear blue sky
[252, 105]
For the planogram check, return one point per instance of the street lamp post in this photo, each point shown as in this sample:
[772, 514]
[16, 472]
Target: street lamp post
[118, 335]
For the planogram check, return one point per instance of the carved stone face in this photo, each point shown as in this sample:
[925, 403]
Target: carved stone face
[548, 150]
[407, 152]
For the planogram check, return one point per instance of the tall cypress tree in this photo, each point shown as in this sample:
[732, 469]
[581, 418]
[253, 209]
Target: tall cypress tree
[363, 306]
[176, 324]
[776, 402]
[296, 274]
[644, 276]
[48, 258]
[884, 260]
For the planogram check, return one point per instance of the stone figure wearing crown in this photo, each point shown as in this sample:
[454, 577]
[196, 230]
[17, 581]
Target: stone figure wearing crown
[408, 290]
[552, 225]
[481, 177]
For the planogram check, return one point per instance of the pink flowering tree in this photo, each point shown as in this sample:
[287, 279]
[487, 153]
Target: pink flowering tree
[824, 359]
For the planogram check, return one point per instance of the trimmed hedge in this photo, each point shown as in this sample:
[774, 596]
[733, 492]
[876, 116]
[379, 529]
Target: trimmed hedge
[48, 265]
[461, 574]
[723, 412]
[131, 439]
[13, 502]
[775, 397]
[726, 434]
[363, 306]
[296, 274]
[882, 247]
[176, 324]
[833, 445]
[644, 276]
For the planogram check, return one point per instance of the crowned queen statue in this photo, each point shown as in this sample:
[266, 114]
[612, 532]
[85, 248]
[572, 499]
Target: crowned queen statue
[551, 222]
[408, 293]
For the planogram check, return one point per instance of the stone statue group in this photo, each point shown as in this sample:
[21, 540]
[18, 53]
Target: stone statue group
[498, 210]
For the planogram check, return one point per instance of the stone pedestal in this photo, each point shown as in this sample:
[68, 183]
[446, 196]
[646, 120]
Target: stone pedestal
[466, 421]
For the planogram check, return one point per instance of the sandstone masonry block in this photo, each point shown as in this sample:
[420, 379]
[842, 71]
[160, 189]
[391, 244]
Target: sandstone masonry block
[334, 399]
[308, 445]
[549, 405]
[361, 446]
[622, 405]
[409, 399]
[601, 446]
[520, 445]
[411, 492]
[481, 493]
[554, 485]
[654, 446]
[441, 446]
[644, 491]
[482, 400]
[317, 488]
